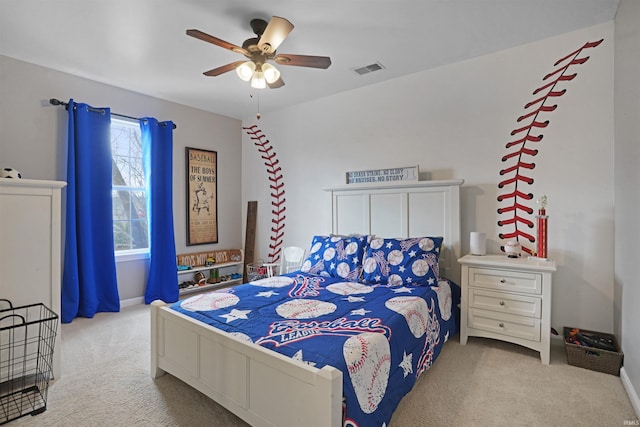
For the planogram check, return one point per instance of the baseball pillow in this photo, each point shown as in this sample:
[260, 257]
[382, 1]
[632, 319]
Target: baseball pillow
[336, 256]
[397, 262]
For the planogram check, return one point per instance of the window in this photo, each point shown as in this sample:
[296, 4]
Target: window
[130, 224]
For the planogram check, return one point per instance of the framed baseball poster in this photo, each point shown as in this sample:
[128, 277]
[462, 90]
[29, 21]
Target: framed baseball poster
[202, 196]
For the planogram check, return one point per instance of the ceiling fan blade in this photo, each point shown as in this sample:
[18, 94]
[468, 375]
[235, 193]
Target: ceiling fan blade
[223, 69]
[218, 42]
[277, 30]
[303, 60]
[275, 85]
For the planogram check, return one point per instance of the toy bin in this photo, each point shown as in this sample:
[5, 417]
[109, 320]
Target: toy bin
[261, 270]
[27, 338]
[590, 350]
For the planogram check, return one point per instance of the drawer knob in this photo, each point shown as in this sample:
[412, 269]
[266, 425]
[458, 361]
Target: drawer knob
[501, 302]
[501, 324]
[502, 281]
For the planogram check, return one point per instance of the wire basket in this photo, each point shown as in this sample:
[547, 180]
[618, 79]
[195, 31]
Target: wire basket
[27, 338]
[260, 270]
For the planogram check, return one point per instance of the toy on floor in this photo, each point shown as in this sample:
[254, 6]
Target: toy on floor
[587, 339]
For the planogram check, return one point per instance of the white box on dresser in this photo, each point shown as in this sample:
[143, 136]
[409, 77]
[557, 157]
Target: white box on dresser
[30, 246]
[508, 299]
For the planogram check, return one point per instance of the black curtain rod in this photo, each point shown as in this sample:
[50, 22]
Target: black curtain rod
[54, 101]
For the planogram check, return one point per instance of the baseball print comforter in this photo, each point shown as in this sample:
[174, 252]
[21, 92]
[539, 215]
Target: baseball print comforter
[382, 336]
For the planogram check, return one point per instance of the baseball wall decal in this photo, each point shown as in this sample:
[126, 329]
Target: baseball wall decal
[526, 142]
[276, 190]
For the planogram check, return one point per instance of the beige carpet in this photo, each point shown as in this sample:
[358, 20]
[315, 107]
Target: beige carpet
[105, 382]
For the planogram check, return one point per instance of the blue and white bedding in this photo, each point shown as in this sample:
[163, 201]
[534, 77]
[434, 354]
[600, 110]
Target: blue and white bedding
[381, 334]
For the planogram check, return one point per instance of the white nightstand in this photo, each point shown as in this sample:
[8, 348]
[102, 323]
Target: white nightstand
[508, 299]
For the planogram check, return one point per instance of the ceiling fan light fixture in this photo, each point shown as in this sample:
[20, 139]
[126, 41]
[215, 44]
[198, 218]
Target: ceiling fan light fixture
[245, 70]
[258, 81]
[271, 73]
[276, 31]
[257, 50]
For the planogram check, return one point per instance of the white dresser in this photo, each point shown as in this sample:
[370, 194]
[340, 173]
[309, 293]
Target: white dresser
[30, 246]
[507, 299]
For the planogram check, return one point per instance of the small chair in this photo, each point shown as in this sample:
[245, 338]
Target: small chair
[291, 260]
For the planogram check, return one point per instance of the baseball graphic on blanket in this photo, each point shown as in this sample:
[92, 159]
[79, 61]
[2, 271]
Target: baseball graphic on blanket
[304, 309]
[351, 248]
[369, 265]
[395, 257]
[420, 267]
[426, 244]
[209, 301]
[443, 290]
[368, 360]
[315, 248]
[414, 310]
[349, 288]
[329, 254]
[394, 280]
[376, 243]
[343, 269]
[273, 282]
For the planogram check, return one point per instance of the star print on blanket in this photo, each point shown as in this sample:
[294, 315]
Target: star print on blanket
[381, 337]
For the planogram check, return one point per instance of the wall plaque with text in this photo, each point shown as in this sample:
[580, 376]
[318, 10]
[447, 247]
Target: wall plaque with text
[202, 195]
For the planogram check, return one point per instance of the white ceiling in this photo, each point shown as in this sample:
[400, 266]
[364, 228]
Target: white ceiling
[141, 45]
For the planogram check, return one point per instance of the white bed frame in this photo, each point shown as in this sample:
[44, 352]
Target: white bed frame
[265, 388]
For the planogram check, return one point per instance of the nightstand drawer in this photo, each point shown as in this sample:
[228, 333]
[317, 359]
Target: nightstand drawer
[502, 302]
[504, 324]
[505, 280]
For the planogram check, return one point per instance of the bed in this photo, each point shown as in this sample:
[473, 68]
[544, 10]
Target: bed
[333, 327]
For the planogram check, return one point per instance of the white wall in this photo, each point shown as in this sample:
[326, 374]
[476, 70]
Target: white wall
[627, 182]
[33, 140]
[454, 122]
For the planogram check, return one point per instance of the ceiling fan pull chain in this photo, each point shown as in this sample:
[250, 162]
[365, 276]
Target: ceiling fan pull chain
[258, 96]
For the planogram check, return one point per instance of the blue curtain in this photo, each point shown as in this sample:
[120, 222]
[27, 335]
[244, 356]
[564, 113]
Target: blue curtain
[89, 283]
[157, 156]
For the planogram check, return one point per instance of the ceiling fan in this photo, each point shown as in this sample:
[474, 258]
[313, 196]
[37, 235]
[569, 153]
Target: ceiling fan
[260, 50]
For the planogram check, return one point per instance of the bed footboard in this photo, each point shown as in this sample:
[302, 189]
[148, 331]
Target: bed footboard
[260, 386]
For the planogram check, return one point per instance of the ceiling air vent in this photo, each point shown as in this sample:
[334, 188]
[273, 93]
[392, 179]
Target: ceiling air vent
[369, 68]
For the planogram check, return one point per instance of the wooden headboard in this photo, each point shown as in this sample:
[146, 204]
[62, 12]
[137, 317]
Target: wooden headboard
[414, 209]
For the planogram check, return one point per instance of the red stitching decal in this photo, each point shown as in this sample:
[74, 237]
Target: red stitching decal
[276, 185]
[517, 173]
